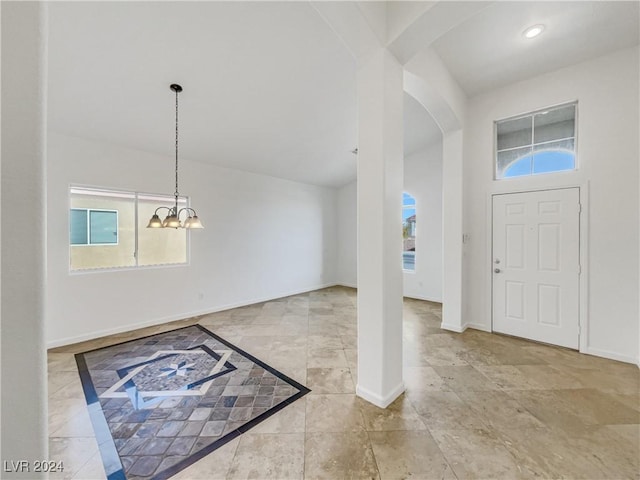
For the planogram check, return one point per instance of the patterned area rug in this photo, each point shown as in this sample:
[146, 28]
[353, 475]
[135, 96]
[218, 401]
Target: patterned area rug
[160, 403]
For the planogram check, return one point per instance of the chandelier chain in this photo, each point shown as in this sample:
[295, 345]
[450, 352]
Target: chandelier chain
[176, 192]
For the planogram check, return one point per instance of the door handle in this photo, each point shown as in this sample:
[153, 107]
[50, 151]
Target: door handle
[497, 270]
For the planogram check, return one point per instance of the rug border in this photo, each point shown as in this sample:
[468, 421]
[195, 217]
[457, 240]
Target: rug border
[91, 397]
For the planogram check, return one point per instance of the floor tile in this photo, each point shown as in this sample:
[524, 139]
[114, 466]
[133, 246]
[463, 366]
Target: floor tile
[478, 453]
[477, 405]
[463, 378]
[409, 454]
[259, 456]
[333, 413]
[213, 466]
[329, 380]
[444, 411]
[400, 415]
[339, 455]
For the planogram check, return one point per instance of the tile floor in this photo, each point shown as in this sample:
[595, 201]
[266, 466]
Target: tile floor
[477, 405]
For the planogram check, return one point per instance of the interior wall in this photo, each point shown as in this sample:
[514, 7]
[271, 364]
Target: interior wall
[423, 180]
[607, 91]
[264, 238]
[346, 213]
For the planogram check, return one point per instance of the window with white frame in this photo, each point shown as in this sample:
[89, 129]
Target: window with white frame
[408, 232]
[107, 229]
[539, 142]
[93, 227]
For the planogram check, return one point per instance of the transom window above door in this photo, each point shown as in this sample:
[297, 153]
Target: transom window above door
[539, 142]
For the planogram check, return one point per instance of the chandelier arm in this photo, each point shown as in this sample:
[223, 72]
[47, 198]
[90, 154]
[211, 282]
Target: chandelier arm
[156, 212]
[188, 209]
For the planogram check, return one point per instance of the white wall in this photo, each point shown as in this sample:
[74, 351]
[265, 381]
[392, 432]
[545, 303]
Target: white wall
[264, 238]
[23, 403]
[346, 213]
[607, 90]
[423, 180]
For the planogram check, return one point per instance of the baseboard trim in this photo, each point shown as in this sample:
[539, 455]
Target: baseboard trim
[478, 326]
[346, 284]
[377, 400]
[611, 355]
[426, 299]
[61, 342]
[454, 328]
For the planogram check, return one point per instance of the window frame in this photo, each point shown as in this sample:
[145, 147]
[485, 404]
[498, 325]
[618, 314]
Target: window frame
[134, 195]
[89, 242]
[532, 114]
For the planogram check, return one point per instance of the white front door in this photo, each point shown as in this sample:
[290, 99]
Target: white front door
[536, 265]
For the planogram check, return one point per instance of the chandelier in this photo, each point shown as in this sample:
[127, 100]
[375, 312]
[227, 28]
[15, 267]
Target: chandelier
[172, 219]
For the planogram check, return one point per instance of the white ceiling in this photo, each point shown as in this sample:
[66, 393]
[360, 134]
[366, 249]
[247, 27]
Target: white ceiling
[488, 50]
[268, 86]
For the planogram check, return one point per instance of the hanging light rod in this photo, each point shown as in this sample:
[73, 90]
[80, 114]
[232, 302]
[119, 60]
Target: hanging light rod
[172, 219]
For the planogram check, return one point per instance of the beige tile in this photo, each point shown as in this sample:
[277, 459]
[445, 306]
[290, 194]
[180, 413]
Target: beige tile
[409, 454]
[68, 424]
[508, 377]
[333, 413]
[291, 419]
[498, 410]
[573, 409]
[57, 380]
[444, 411]
[324, 341]
[478, 453]
[496, 406]
[400, 415]
[462, 378]
[421, 379]
[550, 377]
[61, 362]
[339, 455]
[92, 470]
[329, 380]
[326, 358]
[213, 466]
[352, 358]
[74, 453]
[594, 453]
[268, 455]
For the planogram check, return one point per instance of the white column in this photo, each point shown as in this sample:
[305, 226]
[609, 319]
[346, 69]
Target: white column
[452, 231]
[23, 404]
[380, 180]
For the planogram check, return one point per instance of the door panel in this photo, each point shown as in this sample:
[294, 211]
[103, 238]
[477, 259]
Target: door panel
[536, 265]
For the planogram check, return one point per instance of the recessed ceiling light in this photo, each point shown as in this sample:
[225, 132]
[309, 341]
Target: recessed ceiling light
[533, 31]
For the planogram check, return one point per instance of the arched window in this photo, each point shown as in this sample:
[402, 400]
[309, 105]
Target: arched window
[538, 142]
[544, 161]
[408, 232]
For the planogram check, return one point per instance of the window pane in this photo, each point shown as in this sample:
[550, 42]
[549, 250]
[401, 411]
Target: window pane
[408, 232]
[555, 124]
[111, 255]
[508, 158]
[519, 168]
[408, 199]
[513, 133]
[104, 227]
[160, 246]
[78, 227]
[554, 157]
